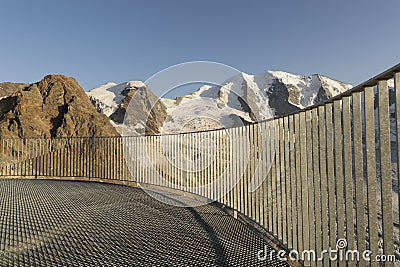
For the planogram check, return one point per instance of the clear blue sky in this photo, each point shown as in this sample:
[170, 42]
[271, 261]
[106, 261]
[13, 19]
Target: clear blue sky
[100, 41]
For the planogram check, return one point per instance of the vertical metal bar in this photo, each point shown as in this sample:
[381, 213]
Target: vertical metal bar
[232, 176]
[299, 196]
[348, 177]
[206, 151]
[152, 150]
[67, 156]
[142, 141]
[99, 157]
[143, 158]
[132, 161]
[114, 159]
[242, 147]
[339, 172]
[225, 175]
[304, 144]
[47, 158]
[273, 184]
[18, 156]
[62, 156]
[54, 156]
[264, 175]
[59, 162]
[204, 156]
[282, 191]
[324, 187]
[71, 156]
[50, 167]
[371, 171]
[310, 185]
[111, 157]
[235, 168]
[287, 194]
[89, 157]
[98, 161]
[397, 112]
[119, 159]
[177, 155]
[103, 155]
[316, 183]
[188, 158]
[293, 206]
[146, 159]
[36, 158]
[122, 164]
[78, 165]
[2, 156]
[132, 158]
[255, 175]
[105, 159]
[39, 158]
[174, 162]
[279, 178]
[217, 165]
[139, 158]
[235, 172]
[228, 175]
[220, 165]
[110, 163]
[358, 171]
[385, 169]
[261, 160]
[331, 176]
[249, 171]
[170, 166]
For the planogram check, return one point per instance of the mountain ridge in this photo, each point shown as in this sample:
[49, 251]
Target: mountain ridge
[242, 99]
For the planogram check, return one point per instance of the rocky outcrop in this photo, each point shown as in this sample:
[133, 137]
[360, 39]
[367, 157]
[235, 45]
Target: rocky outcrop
[54, 107]
[146, 113]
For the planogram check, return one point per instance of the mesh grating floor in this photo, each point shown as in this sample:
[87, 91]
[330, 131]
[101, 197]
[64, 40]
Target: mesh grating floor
[70, 223]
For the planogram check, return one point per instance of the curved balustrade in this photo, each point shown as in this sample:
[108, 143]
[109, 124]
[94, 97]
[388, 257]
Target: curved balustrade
[310, 178]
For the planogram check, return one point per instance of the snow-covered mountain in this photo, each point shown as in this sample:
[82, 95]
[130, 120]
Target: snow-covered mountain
[113, 100]
[242, 99]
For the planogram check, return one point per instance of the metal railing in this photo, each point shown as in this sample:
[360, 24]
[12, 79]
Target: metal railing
[311, 178]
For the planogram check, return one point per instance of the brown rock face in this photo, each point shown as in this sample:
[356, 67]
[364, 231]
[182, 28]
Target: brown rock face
[142, 107]
[54, 107]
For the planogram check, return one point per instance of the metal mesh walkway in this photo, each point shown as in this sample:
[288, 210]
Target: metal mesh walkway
[70, 223]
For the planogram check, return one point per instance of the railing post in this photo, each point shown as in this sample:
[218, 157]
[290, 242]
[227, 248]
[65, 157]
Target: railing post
[371, 170]
[385, 169]
[397, 111]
